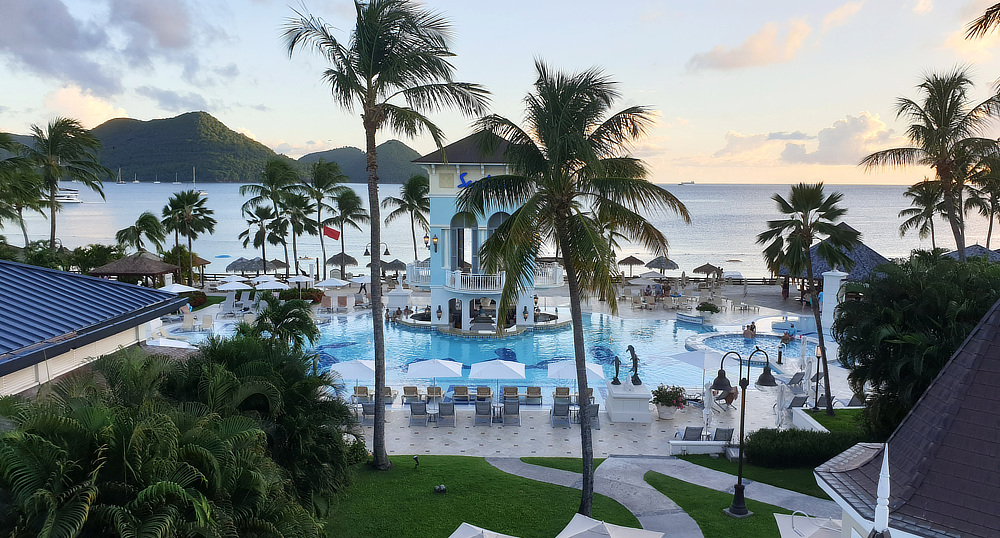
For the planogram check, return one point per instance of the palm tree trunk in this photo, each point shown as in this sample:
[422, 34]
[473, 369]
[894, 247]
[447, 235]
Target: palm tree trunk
[24, 229]
[954, 219]
[52, 219]
[586, 435]
[190, 261]
[413, 232]
[295, 253]
[989, 231]
[819, 332]
[322, 244]
[263, 253]
[933, 245]
[343, 256]
[284, 245]
[381, 458]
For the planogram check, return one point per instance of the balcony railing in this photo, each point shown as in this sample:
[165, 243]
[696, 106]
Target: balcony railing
[418, 273]
[460, 281]
[548, 275]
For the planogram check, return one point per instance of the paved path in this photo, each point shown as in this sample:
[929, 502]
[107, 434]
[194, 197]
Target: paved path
[621, 478]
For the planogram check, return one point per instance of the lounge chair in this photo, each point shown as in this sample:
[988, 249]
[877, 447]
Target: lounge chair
[341, 303]
[534, 393]
[855, 401]
[446, 413]
[368, 414]
[361, 300]
[188, 324]
[326, 304]
[484, 393]
[461, 393]
[561, 395]
[795, 383]
[691, 433]
[797, 401]
[510, 393]
[388, 395]
[434, 393]
[723, 434]
[511, 412]
[418, 413]
[361, 395]
[727, 398]
[207, 323]
[484, 413]
[595, 419]
[822, 401]
[410, 394]
[590, 392]
[249, 318]
[560, 413]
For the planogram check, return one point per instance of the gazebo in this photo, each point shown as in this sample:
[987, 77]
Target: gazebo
[865, 261]
[140, 264]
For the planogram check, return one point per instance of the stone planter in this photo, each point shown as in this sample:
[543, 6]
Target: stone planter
[706, 316]
[665, 412]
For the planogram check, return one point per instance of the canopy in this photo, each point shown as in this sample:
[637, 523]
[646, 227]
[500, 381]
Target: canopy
[707, 269]
[272, 285]
[662, 263]
[394, 265]
[177, 288]
[362, 279]
[234, 286]
[331, 283]
[348, 260]
[466, 530]
[630, 261]
[356, 369]
[434, 368]
[497, 369]
[641, 282]
[567, 370]
[582, 526]
[239, 264]
[651, 275]
[263, 278]
[138, 264]
[703, 358]
[300, 278]
[234, 278]
[277, 264]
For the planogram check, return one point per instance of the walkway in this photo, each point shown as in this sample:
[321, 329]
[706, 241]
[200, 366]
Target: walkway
[621, 478]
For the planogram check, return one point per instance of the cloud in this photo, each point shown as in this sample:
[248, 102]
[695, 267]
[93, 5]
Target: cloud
[738, 144]
[921, 7]
[841, 15]
[762, 48]
[846, 142]
[174, 101]
[972, 50]
[73, 102]
[784, 135]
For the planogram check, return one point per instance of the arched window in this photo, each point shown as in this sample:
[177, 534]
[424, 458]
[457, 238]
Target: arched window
[495, 221]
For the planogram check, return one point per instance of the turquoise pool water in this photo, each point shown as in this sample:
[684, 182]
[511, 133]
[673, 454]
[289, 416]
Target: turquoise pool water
[768, 343]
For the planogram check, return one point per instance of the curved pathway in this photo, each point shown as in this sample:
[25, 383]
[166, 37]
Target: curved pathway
[622, 479]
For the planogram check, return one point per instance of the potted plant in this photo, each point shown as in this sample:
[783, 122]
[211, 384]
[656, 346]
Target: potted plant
[668, 400]
[707, 309]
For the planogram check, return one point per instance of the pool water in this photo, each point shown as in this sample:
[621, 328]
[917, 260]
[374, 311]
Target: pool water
[767, 342]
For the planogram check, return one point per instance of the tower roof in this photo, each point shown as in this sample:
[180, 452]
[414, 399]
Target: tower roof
[468, 150]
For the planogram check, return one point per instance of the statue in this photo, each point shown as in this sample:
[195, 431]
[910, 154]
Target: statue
[635, 366]
[617, 362]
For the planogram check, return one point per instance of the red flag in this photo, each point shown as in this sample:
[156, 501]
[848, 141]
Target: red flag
[331, 233]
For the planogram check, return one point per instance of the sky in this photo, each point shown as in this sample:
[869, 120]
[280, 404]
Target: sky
[774, 91]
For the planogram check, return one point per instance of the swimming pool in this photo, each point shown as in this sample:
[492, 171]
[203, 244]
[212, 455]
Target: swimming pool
[767, 342]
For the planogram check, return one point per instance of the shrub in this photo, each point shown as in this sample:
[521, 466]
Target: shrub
[669, 396]
[787, 449]
[312, 295]
[196, 298]
[708, 307]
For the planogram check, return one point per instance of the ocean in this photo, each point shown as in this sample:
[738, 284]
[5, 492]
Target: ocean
[725, 220]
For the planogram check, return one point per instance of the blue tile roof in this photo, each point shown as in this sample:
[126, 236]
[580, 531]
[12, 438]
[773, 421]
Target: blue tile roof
[38, 305]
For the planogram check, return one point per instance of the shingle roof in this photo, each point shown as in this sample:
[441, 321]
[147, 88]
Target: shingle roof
[976, 251]
[44, 312]
[465, 151]
[945, 455]
[865, 260]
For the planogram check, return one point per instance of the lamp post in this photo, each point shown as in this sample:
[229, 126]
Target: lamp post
[368, 252]
[738, 508]
[819, 361]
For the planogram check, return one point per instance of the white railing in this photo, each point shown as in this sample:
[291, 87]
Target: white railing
[548, 274]
[418, 273]
[460, 281]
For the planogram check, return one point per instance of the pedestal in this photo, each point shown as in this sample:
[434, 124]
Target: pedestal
[628, 403]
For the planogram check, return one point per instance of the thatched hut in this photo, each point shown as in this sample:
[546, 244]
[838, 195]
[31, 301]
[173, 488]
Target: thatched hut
[141, 264]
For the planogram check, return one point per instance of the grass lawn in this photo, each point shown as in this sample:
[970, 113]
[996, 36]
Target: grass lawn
[845, 420]
[800, 480]
[574, 465]
[705, 506]
[402, 502]
[212, 299]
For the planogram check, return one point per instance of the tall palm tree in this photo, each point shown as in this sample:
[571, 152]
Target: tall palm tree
[171, 214]
[944, 131]
[20, 187]
[413, 201]
[325, 182]
[258, 220]
[277, 179]
[298, 208]
[349, 212]
[569, 164]
[925, 198]
[989, 20]
[984, 194]
[195, 219]
[146, 225]
[397, 52]
[65, 150]
[810, 216]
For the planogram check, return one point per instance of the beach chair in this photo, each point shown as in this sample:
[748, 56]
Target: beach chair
[446, 413]
[368, 414]
[727, 398]
[388, 395]
[418, 413]
[361, 395]
[637, 302]
[326, 304]
[461, 393]
[822, 400]
[561, 395]
[590, 393]
[723, 434]
[691, 433]
[533, 394]
[560, 414]
[511, 412]
[797, 402]
[207, 323]
[434, 393]
[362, 300]
[595, 419]
[484, 413]
[795, 383]
[510, 393]
[856, 400]
[341, 303]
[410, 394]
[188, 324]
[484, 393]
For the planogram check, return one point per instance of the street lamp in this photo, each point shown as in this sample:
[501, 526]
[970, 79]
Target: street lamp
[368, 252]
[739, 506]
[819, 361]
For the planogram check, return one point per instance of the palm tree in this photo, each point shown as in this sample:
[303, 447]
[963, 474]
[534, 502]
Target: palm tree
[20, 189]
[944, 131]
[258, 220]
[349, 211]
[194, 219]
[278, 178]
[288, 322]
[325, 182]
[926, 199]
[298, 208]
[171, 214]
[397, 51]
[413, 201]
[64, 149]
[989, 20]
[568, 164]
[984, 196]
[146, 225]
[809, 216]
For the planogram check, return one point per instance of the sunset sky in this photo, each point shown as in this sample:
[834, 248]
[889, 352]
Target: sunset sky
[746, 92]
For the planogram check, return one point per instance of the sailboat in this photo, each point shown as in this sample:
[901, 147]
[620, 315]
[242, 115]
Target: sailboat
[175, 179]
[194, 184]
[156, 179]
[120, 181]
[135, 178]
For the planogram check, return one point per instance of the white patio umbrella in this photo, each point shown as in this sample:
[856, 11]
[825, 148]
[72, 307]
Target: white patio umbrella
[779, 406]
[332, 283]
[466, 530]
[641, 282]
[362, 279]
[582, 526]
[177, 288]
[272, 285]
[434, 368]
[357, 369]
[298, 280]
[235, 278]
[263, 278]
[653, 275]
[704, 359]
[234, 286]
[567, 370]
[497, 369]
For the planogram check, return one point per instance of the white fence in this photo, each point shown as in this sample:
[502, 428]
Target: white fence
[460, 281]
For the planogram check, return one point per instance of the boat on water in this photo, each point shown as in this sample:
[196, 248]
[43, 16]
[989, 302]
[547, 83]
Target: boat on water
[686, 183]
[156, 179]
[135, 178]
[175, 179]
[119, 180]
[194, 184]
[68, 196]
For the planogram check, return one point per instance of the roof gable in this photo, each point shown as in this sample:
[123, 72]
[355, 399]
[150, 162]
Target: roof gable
[465, 151]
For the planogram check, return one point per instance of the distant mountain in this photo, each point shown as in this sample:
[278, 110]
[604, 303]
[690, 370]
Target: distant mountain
[394, 162]
[165, 148]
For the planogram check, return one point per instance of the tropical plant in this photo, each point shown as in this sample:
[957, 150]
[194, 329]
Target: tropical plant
[349, 212]
[278, 179]
[397, 51]
[911, 318]
[987, 22]
[65, 150]
[258, 221]
[193, 219]
[945, 132]
[325, 182]
[810, 216]
[927, 203]
[146, 225]
[413, 201]
[95, 255]
[171, 215]
[20, 186]
[669, 396]
[298, 209]
[984, 193]
[568, 164]
[285, 321]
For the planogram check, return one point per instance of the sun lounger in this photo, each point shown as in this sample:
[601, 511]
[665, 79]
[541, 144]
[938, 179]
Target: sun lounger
[362, 300]
[361, 395]
[691, 433]
[534, 394]
[418, 413]
[855, 401]
[561, 395]
[388, 395]
[326, 304]
[510, 393]
[511, 412]
[484, 413]
[797, 401]
[461, 393]
[723, 434]
[795, 383]
[593, 410]
[207, 323]
[446, 413]
[341, 303]
[410, 394]
[434, 393]
[590, 392]
[188, 324]
[727, 398]
[560, 414]
[484, 393]
[691, 442]
[368, 414]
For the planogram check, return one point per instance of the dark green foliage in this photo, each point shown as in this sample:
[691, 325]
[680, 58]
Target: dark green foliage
[394, 162]
[911, 319]
[94, 256]
[789, 449]
[312, 295]
[38, 253]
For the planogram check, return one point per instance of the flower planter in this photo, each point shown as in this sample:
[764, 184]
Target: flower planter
[665, 412]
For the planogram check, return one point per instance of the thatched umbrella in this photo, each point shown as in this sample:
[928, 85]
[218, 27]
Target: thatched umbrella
[708, 269]
[396, 265]
[237, 266]
[140, 264]
[631, 262]
[348, 260]
[662, 263]
[276, 264]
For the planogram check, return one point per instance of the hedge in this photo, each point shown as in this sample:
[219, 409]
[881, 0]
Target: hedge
[308, 294]
[788, 449]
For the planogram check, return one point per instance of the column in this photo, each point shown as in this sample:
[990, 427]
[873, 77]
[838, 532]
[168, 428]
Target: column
[832, 281]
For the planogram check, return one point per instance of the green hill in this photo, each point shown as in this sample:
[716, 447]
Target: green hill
[165, 148]
[394, 162]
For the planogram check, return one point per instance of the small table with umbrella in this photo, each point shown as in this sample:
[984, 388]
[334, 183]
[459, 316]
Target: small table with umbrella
[497, 369]
[298, 280]
[567, 370]
[662, 263]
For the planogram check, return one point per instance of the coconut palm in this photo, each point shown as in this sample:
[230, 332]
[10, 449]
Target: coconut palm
[989, 21]
[925, 198]
[20, 189]
[325, 182]
[171, 220]
[277, 179]
[984, 196]
[944, 131]
[194, 219]
[65, 150]
[569, 164]
[258, 219]
[397, 52]
[146, 225]
[413, 201]
[809, 216]
[289, 322]
[298, 208]
[349, 212]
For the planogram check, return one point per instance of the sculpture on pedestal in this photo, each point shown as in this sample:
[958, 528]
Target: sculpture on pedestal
[635, 366]
[617, 362]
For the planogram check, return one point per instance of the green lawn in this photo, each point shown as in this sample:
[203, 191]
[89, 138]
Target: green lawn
[845, 420]
[800, 480]
[402, 502]
[705, 506]
[574, 465]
